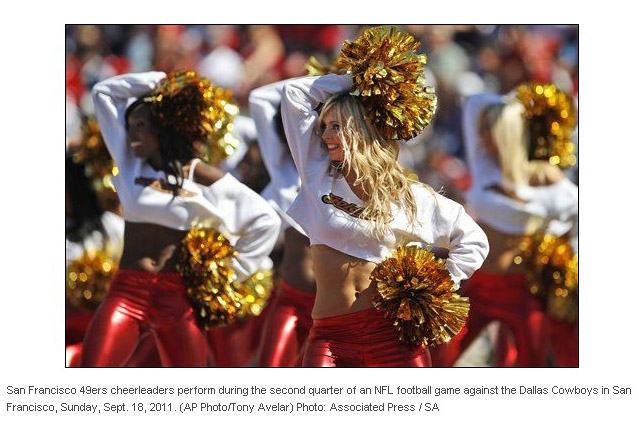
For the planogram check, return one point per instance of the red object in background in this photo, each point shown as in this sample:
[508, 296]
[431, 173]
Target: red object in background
[313, 37]
[76, 325]
[505, 298]
[452, 169]
[563, 345]
[564, 342]
[169, 33]
[120, 64]
[539, 51]
[505, 350]
[526, 335]
[74, 82]
[456, 172]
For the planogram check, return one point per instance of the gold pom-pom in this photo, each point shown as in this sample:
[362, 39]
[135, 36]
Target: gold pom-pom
[99, 167]
[552, 272]
[415, 290]
[551, 117]
[315, 68]
[205, 257]
[388, 75]
[198, 111]
[88, 279]
[255, 292]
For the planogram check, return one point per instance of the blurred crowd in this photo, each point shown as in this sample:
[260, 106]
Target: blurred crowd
[462, 60]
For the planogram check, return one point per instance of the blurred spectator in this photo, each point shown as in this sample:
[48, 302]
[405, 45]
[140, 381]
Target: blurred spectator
[462, 60]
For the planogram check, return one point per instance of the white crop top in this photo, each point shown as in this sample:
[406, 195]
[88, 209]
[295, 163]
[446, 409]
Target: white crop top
[551, 209]
[326, 207]
[227, 205]
[285, 181]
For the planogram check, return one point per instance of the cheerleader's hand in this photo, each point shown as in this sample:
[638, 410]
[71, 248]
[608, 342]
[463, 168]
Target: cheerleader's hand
[440, 253]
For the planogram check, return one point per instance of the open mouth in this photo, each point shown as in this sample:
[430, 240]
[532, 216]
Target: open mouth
[135, 145]
[332, 147]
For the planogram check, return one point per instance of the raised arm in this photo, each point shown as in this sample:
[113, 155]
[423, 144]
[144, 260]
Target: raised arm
[252, 225]
[300, 98]
[265, 104]
[484, 168]
[111, 97]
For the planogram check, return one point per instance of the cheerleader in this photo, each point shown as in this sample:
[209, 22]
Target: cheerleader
[289, 318]
[94, 235]
[153, 125]
[515, 196]
[356, 206]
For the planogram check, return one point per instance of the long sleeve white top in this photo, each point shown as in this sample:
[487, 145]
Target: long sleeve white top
[285, 181]
[322, 204]
[551, 209]
[227, 205]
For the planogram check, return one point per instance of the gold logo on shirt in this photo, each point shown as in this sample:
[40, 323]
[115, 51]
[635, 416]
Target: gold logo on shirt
[338, 202]
[162, 185]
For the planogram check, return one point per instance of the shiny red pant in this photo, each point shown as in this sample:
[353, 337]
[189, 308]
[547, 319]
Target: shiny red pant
[235, 345]
[562, 342]
[361, 339]
[286, 328]
[504, 298]
[138, 303]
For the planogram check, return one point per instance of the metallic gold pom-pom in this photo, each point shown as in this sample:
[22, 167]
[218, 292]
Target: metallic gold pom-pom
[551, 118]
[205, 257]
[198, 111]
[88, 278]
[552, 271]
[99, 167]
[254, 293]
[315, 68]
[388, 75]
[415, 290]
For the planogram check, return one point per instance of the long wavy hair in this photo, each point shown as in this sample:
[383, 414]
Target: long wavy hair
[373, 159]
[175, 150]
[510, 134]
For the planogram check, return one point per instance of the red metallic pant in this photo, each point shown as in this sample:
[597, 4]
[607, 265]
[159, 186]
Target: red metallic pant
[361, 339]
[235, 345]
[286, 328]
[138, 302]
[562, 343]
[504, 298]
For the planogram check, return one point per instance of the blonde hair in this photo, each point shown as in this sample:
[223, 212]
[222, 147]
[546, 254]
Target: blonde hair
[511, 136]
[374, 162]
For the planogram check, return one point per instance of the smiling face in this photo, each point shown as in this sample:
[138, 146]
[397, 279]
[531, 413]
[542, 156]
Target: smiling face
[141, 134]
[330, 133]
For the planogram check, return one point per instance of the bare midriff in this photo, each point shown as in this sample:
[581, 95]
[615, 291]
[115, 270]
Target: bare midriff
[503, 250]
[150, 247]
[297, 267]
[343, 282]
